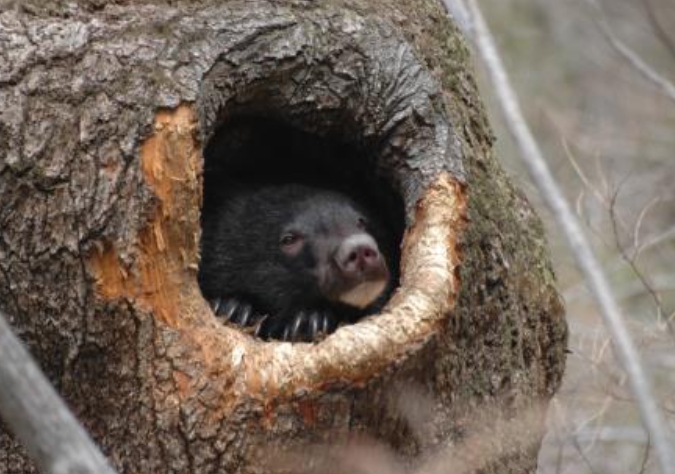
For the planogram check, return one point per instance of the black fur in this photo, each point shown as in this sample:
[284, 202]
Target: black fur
[250, 280]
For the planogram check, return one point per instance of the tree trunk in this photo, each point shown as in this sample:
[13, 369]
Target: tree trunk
[104, 112]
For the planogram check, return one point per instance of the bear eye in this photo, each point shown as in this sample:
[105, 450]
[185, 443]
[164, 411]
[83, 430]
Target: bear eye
[361, 223]
[289, 238]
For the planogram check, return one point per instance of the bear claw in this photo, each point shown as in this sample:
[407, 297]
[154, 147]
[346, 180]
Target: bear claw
[302, 327]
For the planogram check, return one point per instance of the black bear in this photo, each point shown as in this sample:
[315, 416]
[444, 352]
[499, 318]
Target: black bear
[292, 261]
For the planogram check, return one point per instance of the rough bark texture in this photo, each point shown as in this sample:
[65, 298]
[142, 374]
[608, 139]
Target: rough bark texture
[103, 114]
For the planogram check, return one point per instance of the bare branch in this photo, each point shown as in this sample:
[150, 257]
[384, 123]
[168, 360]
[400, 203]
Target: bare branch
[645, 456]
[667, 87]
[659, 31]
[38, 416]
[630, 260]
[577, 290]
[580, 173]
[653, 241]
[457, 10]
[586, 259]
[638, 225]
[582, 455]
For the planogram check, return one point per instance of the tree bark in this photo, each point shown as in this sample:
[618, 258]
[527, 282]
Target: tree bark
[104, 112]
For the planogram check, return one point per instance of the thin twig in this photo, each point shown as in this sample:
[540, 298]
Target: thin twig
[648, 285]
[650, 242]
[638, 225]
[645, 456]
[580, 173]
[582, 454]
[39, 418]
[576, 290]
[667, 87]
[659, 31]
[586, 259]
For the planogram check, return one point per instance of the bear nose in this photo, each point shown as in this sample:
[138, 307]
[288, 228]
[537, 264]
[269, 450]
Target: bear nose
[358, 254]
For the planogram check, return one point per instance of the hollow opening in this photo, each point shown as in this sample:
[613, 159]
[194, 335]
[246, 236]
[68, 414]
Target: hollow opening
[293, 224]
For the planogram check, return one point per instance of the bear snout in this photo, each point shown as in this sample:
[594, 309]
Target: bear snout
[363, 271]
[358, 254]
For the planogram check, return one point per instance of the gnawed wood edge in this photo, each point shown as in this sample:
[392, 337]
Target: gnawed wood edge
[162, 281]
[167, 249]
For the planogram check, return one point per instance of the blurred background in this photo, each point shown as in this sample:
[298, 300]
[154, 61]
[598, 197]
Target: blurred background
[608, 133]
